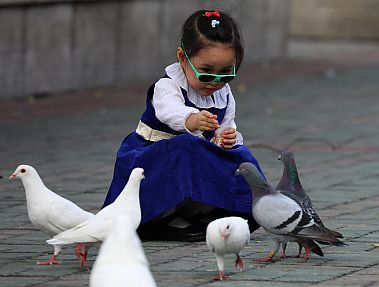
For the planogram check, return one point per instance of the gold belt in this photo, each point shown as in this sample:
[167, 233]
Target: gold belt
[150, 134]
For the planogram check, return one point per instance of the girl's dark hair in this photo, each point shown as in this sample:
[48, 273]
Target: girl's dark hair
[197, 33]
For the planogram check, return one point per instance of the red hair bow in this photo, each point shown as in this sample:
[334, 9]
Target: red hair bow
[213, 13]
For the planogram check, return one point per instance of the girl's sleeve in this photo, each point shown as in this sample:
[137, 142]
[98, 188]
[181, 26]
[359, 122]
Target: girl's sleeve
[169, 105]
[228, 121]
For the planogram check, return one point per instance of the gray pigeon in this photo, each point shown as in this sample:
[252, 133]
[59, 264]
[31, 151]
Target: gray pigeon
[290, 186]
[282, 217]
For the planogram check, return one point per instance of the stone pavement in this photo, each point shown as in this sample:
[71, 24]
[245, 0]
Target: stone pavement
[328, 116]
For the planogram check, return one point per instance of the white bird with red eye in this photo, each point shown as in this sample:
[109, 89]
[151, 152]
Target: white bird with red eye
[48, 211]
[228, 235]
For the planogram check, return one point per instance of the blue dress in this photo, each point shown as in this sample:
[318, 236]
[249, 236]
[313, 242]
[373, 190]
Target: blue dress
[182, 167]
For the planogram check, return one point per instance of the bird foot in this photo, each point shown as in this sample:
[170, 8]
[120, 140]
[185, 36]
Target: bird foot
[83, 261]
[49, 262]
[305, 259]
[221, 276]
[85, 266]
[306, 256]
[239, 263]
[268, 258]
[283, 256]
[52, 261]
[264, 259]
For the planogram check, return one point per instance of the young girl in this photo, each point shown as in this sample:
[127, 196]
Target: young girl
[186, 139]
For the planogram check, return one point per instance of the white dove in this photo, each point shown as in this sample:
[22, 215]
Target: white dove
[228, 235]
[48, 211]
[95, 229]
[121, 260]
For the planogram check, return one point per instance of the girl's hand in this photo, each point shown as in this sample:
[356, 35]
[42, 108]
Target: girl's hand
[202, 121]
[228, 138]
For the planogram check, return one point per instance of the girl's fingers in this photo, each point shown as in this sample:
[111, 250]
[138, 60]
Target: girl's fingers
[227, 146]
[229, 131]
[208, 114]
[207, 121]
[213, 123]
[229, 136]
[226, 142]
[207, 126]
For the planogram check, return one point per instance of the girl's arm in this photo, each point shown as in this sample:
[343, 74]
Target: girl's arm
[170, 109]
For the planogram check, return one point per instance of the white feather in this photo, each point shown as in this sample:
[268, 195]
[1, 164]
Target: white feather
[47, 210]
[235, 232]
[121, 260]
[95, 229]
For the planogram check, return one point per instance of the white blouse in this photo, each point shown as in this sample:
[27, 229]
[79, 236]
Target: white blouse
[170, 108]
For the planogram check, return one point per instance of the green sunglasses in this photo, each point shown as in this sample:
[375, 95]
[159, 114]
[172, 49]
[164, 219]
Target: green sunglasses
[210, 78]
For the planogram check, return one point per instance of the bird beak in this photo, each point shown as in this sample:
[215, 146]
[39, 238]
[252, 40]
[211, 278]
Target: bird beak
[238, 172]
[13, 176]
[222, 236]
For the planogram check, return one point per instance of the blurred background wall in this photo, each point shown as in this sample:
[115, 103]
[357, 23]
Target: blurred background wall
[334, 19]
[57, 46]
[54, 46]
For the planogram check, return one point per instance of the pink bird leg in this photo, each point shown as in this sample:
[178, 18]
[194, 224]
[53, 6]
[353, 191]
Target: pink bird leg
[82, 256]
[239, 263]
[307, 254]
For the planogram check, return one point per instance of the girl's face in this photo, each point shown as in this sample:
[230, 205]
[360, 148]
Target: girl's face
[213, 59]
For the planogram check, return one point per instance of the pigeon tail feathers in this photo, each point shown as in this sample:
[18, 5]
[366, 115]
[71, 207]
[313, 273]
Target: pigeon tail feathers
[317, 233]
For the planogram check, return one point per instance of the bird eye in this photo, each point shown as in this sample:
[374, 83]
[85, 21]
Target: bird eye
[23, 170]
[227, 227]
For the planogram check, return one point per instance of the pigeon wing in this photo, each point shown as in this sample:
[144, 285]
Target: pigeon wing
[92, 230]
[67, 215]
[306, 205]
[277, 213]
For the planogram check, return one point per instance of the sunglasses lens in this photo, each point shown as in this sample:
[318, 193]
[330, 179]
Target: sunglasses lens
[206, 78]
[226, 79]
[209, 79]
